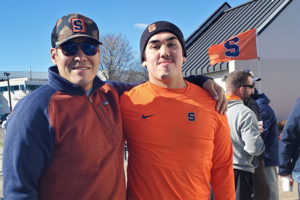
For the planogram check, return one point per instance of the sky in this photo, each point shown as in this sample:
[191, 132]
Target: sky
[26, 25]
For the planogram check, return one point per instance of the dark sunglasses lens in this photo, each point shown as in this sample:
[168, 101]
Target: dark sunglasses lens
[70, 49]
[89, 49]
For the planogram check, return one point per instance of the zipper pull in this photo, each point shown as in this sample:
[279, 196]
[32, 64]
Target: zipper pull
[90, 99]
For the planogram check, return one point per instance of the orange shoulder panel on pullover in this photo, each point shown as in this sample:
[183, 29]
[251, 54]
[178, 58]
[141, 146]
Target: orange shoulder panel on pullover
[177, 144]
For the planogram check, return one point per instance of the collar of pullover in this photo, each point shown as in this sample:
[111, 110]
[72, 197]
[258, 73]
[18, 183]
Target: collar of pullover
[232, 97]
[65, 86]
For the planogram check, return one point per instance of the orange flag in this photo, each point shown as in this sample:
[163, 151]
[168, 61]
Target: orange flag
[239, 47]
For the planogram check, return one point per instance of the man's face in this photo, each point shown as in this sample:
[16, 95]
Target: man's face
[247, 91]
[79, 69]
[163, 57]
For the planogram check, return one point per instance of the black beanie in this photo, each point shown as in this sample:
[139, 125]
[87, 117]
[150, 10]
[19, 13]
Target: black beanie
[157, 27]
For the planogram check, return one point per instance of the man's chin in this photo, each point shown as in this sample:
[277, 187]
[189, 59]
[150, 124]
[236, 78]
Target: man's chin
[165, 76]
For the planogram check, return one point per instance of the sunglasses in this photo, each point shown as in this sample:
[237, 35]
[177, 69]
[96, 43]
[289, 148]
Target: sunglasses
[250, 86]
[71, 49]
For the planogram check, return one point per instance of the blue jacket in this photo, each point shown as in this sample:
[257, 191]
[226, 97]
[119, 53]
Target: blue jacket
[290, 142]
[270, 134]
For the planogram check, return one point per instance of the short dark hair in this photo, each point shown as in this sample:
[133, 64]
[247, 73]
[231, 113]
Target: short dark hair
[236, 78]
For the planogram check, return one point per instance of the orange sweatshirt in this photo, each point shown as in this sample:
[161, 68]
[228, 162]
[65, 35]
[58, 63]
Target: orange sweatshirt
[177, 143]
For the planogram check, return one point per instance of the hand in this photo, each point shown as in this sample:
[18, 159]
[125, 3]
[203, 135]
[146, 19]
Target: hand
[290, 175]
[218, 94]
[260, 126]
[261, 129]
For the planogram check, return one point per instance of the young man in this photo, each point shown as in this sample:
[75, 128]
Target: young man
[64, 140]
[246, 139]
[177, 142]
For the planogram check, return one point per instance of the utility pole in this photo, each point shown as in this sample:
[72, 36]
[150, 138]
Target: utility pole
[30, 73]
[8, 86]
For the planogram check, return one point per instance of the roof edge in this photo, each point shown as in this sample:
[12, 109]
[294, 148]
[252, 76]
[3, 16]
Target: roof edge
[210, 20]
[239, 5]
[273, 16]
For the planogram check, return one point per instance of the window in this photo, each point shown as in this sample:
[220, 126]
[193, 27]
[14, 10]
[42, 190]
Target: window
[3, 89]
[15, 87]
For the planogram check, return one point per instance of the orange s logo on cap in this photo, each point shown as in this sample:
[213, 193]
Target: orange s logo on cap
[151, 28]
[78, 25]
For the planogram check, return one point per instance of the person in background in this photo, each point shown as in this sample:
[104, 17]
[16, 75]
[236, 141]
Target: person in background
[270, 138]
[261, 188]
[289, 144]
[245, 136]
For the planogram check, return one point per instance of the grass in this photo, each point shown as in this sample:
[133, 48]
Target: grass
[1, 144]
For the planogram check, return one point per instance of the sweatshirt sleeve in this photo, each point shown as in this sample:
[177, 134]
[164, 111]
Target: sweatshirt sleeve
[267, 118]
[122, 87]
[222, 163]
[28, 149]
[197, 79]
[250, 135]
[289, 141]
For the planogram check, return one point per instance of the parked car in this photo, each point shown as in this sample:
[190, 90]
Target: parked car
[3, 117]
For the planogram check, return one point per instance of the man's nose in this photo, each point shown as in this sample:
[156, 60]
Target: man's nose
[80, 56]
[164, 51]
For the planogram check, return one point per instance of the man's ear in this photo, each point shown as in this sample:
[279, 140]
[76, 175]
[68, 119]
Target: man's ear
[53, 55]
[145, 64]
[184, 59]
[241, 89]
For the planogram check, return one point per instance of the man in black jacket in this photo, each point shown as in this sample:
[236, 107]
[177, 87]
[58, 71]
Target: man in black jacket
[261, 187]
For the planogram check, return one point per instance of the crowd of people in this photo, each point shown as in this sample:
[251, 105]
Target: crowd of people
[65, 140]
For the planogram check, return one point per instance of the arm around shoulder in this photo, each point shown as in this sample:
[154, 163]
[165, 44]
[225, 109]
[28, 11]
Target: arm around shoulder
[121, 87]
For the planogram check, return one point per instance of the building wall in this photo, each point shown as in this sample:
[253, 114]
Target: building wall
[217, 76]
[22, 74]
[279, 48]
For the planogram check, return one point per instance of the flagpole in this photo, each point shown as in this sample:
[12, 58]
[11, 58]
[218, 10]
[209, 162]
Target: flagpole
[258, 58]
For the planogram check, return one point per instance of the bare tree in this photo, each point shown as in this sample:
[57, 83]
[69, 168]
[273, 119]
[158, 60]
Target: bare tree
[118, 61]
